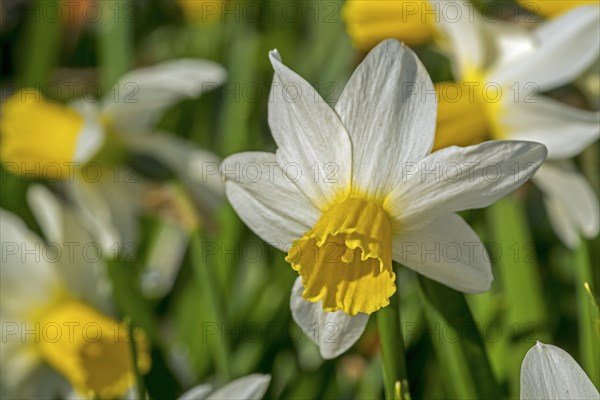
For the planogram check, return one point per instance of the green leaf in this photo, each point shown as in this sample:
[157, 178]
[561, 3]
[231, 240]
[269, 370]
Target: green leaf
[449, 310]
[513, 253]
[587, 308]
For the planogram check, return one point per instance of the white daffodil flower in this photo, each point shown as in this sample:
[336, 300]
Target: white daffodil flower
[501, 69]
[81, 145]
[548, 372]
[354, 187]
[58, 338]
[250, 387]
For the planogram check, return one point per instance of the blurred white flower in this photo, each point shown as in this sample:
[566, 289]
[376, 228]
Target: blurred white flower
[249, 387]
[350, 188]
[59, 340]
[502, 68]
[82, 145]
[548, 372]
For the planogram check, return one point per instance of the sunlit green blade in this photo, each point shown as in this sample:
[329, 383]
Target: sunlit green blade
[519, 279]
[587, 307]
[234, 132]
[206, 277]
[115, 47]
[450, 308]
[43, 43]
[453, 365]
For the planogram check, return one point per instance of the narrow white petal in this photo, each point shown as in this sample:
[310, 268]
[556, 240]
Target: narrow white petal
[465, 31]
[266, 199]
[109, 207]
[566, 131]
[24, 265]
[75, 255]
[313, 145]
[167, 250]
[565, 47]
[93, 210]
[48, 212]
[573, 205]
[563, 226]
[89, 141]
[462, 178]
[446, 250]
[389, 109]
[334, 332]
[250, 387]
[142, 95]
[549, 372]
[197, 169]
[199, 392]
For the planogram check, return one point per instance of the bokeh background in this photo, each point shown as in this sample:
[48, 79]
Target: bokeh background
[537, 293]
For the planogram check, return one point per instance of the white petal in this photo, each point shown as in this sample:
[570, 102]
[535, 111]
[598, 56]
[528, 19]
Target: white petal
[562, 225]
[565, 47]
[461, 178]
[167, 250]
[566, 131]
[389, 109]
[78, 259]
[249, 387]
[549, 372]
[142, 95]
[333, 332]
[109, 207]
[48, 212]
[197, 169]
[266, 199]
[25, 265]
[510, 43]
[313, 145]
[465, 30]
[446, 250]
[573, 205]
[197, 392]
[94, 211]
[89, 141]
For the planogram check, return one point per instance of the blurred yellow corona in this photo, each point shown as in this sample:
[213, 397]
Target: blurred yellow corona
[59, 311]
[42, 138]
[553, 8]
[91, 350]
[467, 112]
[370, 22]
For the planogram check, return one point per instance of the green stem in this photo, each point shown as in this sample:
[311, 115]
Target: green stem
[513, 252]
[588, 343]
[43, 38]
[207, 280]
[115, 44]
[129, 298]
[141, 387]
[393, 351]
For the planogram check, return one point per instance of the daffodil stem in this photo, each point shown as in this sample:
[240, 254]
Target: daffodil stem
[588, 343]
[393, 351]
[207, 280]
[141, 387]
[41, 55]
[115, 43]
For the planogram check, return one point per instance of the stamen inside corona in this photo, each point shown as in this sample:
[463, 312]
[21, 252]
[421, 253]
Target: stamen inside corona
[345, 260]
